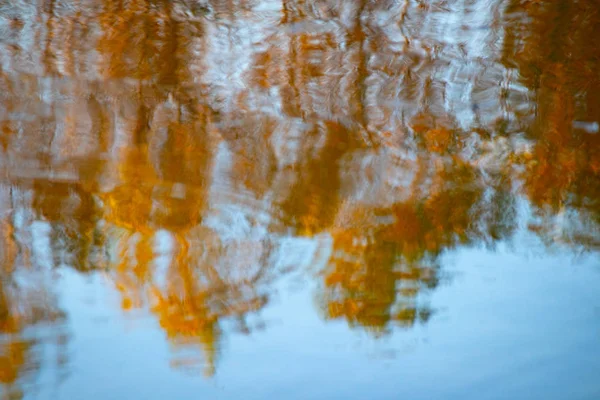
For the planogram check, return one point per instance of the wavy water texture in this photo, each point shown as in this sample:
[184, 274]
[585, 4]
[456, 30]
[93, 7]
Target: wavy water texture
[196, 153]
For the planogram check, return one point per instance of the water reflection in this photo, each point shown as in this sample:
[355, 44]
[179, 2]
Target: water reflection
[27, 298]
[179, 148]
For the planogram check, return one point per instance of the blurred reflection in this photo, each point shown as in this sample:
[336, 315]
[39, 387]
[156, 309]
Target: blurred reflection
[180, 146]
[27, 300]
[549, 46]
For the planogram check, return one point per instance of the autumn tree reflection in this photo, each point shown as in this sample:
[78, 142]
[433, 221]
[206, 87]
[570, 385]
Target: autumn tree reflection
[207, 282]
[177, 146]
[27, 300]
[315, 195]
[377, 270]
[547, 42]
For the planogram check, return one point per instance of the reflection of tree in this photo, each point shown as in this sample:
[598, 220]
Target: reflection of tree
[26, 300]
[73, 216]
[162, 184]
[313, 199]
[142, 39]
[202, 289]
[142, 139]
[362, 283]
[169, 195]
[15, 360]
[20, 355]
[375, 274]
[548, 42]
[205, 283]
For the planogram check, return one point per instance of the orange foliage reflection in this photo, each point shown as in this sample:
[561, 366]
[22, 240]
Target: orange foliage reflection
[177, 146]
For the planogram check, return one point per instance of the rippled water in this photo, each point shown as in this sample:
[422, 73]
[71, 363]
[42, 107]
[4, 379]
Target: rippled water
[328, 199]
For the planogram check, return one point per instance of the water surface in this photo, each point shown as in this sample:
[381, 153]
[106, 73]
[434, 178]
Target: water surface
[299, 199]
